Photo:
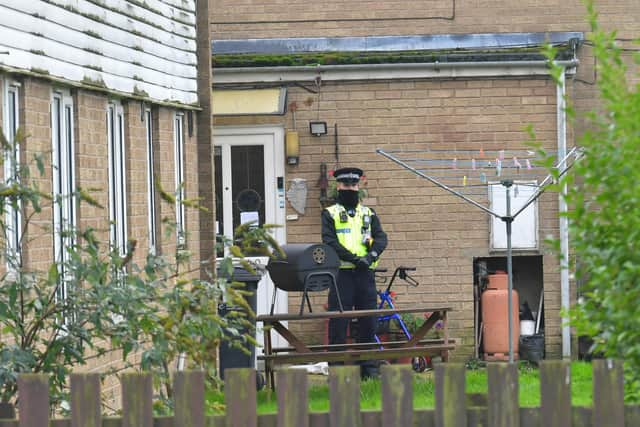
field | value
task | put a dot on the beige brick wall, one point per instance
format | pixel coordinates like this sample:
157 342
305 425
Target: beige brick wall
427 227
304 18
91 156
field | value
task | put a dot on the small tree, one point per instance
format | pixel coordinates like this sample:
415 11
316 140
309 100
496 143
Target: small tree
52 320
604 200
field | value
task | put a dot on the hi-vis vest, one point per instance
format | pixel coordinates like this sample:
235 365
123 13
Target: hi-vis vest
351 232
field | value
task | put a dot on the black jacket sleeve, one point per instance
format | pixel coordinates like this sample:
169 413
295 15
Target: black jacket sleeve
330 238
378 235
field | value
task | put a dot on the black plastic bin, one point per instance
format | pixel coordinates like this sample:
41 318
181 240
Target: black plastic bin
532 347
231 357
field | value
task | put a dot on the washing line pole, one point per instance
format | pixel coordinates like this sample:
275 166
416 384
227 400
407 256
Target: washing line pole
508 220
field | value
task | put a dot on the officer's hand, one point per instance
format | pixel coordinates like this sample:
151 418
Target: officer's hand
363 263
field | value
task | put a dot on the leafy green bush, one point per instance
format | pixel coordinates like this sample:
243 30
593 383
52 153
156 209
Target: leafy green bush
604 217
98 301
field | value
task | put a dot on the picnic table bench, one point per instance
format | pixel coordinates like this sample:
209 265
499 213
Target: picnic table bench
299 352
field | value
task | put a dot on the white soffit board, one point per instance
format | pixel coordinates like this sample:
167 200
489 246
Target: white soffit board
144 48
248 102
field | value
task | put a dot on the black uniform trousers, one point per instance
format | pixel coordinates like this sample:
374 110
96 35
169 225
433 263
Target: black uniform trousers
357 292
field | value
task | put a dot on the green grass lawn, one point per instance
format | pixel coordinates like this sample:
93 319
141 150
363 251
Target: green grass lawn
423 391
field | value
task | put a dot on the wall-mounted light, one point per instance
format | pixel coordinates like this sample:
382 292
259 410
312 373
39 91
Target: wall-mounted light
292 147
318 128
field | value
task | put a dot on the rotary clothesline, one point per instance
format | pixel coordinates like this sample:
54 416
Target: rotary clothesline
470 173
450 163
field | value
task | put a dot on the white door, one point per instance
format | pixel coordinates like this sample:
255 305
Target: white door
249 181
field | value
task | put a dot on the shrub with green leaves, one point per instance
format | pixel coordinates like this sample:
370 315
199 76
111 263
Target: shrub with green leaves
97 300
604 212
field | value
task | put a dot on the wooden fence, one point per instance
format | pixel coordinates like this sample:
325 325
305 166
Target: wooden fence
451 410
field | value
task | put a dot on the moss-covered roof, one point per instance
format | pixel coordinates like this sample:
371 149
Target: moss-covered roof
396 57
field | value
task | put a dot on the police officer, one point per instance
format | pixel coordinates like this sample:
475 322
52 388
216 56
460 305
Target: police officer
354 231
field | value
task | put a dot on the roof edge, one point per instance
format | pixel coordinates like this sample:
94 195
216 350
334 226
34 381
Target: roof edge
392 43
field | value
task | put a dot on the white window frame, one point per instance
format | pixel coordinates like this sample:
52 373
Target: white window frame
117 178
63 183
151 185
178 143
13 216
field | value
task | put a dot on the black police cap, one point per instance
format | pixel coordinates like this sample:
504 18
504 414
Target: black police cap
348 175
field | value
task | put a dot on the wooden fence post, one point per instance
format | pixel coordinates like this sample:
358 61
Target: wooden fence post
608 393
188 389
504 403
451 404
240 397
397 396
555 393
86 408
137 400
344 396
33 390
293 404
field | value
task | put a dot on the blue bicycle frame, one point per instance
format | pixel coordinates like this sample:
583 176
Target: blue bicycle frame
385 298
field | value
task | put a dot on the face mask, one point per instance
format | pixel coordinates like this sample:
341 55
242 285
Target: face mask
348 198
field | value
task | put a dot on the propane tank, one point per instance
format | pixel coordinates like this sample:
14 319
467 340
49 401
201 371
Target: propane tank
495 301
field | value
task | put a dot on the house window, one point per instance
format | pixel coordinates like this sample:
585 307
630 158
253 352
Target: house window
117 179
63 177
151 188
13 216
178 139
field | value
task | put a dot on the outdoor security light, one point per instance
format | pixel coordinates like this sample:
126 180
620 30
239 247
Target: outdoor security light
318 128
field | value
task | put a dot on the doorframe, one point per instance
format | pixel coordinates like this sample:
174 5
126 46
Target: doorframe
273 161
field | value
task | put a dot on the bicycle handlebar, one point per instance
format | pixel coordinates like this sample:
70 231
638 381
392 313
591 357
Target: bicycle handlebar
402 273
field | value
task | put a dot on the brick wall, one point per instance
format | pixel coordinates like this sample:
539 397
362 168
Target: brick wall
304 18
91 156
427 227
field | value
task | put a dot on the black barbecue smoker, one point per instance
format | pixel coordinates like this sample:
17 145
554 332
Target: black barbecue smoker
305 267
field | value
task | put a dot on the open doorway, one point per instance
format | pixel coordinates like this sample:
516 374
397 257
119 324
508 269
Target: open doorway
527 281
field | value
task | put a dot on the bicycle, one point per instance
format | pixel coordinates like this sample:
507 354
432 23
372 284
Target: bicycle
419 363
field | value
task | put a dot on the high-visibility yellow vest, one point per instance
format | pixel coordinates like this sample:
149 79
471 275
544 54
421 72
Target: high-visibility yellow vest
351 230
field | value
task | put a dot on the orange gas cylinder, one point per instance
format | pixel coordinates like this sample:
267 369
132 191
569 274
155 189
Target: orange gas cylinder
495 332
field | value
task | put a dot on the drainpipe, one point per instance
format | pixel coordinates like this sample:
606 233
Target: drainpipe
561 118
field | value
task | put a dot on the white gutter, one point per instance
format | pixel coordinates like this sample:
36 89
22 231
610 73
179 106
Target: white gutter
250 75
564 221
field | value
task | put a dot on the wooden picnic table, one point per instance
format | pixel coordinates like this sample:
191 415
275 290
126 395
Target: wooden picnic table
299 352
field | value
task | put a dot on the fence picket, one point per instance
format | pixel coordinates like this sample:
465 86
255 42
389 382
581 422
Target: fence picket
344 396
137 395
371 418
608 393
581 416
85 400
503 388
424 417
397 396
451 405
240 397
530 417
632 415
33 406
292 398
555 393
189 399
